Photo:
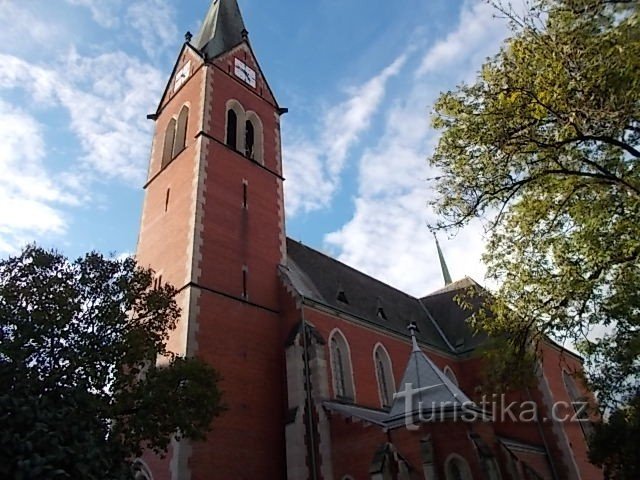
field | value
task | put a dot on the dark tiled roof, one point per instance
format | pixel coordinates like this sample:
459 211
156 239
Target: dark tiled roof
221 30
452 318
322 278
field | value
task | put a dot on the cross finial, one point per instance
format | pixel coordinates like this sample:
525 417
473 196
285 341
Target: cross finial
188 36
413 330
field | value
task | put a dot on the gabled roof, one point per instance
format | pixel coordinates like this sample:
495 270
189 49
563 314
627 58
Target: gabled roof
223 28
453 318
329 282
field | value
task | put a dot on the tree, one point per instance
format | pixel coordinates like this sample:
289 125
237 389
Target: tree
545 146
614 445
86 379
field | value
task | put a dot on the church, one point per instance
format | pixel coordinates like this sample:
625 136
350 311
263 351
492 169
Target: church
327 373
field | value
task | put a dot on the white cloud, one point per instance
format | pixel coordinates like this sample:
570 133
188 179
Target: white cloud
477 27
104 96
104 13
313 165
154 20
387 236
21 27
30 196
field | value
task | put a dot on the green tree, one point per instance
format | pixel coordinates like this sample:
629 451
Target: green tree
614 444
86 380
545 144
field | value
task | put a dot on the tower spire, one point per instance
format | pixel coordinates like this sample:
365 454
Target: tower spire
443 263
222 29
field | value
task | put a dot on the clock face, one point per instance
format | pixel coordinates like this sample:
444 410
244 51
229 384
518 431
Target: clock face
182 76
245 73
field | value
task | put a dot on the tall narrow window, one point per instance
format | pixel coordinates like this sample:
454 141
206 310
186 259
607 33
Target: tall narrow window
169 138
245 292
384 375
254 137
341 368
457 468
166 200
579 403
338 368
181 131
232 129
249 141
245 195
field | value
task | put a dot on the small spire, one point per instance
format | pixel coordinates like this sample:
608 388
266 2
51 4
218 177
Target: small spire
188 36
443 263
413 330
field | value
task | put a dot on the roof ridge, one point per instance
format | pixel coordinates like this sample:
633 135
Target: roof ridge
354 269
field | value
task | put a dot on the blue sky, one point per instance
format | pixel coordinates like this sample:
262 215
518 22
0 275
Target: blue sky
79 76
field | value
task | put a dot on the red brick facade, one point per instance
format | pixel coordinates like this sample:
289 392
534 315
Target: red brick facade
213 226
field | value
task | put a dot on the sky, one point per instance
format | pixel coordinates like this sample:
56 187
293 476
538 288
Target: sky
78 77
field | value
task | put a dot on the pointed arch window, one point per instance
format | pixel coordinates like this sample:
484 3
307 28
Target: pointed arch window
579 403
232 129
249 140
253 137
341 370
456 468
450 375
181 132
141 471
384 375
169 139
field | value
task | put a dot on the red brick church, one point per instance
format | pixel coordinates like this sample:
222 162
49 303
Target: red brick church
327 372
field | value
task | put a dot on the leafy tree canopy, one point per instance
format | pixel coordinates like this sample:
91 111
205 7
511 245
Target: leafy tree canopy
545 144
614 445
81 392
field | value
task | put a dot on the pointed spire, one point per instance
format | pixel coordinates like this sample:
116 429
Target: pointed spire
443 263
222 28
424 389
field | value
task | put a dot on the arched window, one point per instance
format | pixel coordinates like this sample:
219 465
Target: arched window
384 375
491 467
249 140
456 468
232 129
181 132
141 471
579 403
169 139
341 371
253 137
450 375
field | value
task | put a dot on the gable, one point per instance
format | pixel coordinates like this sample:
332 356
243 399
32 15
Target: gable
244 53
189 61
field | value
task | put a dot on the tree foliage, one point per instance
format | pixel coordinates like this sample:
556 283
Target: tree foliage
86 379
614 445
545 144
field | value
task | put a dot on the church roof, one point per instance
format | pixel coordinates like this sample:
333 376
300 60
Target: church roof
223 28
428 389
329 282
452 317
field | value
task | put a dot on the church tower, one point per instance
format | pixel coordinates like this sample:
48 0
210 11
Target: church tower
213 226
